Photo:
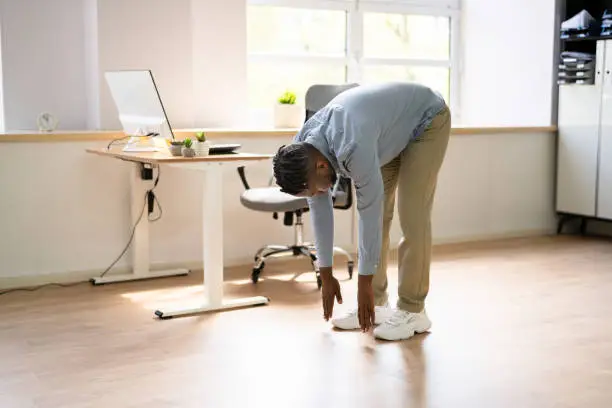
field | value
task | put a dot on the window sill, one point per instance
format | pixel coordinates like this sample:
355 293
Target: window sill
229 134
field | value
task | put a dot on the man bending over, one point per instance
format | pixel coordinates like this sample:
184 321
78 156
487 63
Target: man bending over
386 138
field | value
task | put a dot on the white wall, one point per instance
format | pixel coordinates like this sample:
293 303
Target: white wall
147 34
199 59
43 62
195 48
84 222
92 63
2 129
495 186
76 217
507 73
219 63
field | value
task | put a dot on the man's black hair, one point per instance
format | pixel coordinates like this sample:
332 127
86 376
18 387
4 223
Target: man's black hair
291 168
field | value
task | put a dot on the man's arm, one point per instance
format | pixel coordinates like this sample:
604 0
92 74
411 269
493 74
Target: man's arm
365 172
321 210
322 217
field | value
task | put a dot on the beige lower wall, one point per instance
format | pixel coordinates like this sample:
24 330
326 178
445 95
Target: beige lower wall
66 213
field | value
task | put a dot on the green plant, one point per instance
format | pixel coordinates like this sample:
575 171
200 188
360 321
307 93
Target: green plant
287 98
177 142
188 143
201 136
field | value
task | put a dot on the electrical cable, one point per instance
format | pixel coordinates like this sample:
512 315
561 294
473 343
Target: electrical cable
159 207
32 289
130 240
150 134
35 288
155 197
136 224
116 140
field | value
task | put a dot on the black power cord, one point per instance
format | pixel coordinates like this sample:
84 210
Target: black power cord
146 201
130 240
35 288
147 197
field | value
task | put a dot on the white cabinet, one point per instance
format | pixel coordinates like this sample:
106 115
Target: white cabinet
584 149
578 123
604 185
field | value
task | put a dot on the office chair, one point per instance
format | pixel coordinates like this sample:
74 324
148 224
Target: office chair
271 199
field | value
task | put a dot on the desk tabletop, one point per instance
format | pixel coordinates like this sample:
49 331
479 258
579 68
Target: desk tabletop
165 157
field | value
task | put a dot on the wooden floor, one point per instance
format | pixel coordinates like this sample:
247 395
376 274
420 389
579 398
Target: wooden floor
517 324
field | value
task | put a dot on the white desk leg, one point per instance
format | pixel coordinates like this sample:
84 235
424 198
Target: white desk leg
212 219
140 245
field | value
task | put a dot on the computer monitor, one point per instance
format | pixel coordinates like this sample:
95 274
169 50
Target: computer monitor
140 108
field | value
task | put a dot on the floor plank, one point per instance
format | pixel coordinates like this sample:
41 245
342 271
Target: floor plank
516 323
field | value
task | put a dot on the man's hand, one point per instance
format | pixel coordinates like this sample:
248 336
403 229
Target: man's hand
330 291
365 300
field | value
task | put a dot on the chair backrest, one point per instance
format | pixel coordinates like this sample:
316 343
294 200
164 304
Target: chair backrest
317 96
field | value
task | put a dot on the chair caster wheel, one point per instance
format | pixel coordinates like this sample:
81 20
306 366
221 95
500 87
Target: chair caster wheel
350 270
256 272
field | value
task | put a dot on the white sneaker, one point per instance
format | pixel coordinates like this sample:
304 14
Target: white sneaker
403 325
350 320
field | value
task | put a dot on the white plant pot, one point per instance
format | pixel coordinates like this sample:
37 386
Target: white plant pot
288 116
201 148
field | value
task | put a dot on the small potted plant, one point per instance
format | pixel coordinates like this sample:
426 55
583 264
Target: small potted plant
176 147
187 148
201 146
287 114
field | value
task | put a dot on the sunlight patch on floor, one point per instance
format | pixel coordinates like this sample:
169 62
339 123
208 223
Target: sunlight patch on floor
305 277
189 296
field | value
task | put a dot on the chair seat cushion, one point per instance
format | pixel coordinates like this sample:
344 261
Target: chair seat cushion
271 199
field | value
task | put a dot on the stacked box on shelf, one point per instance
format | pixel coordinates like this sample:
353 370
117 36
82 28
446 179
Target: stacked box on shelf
581 25
576 68
606 23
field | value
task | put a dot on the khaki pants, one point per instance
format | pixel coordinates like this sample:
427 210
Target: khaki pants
413 174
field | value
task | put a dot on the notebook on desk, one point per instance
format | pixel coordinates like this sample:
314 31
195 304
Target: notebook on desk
225 148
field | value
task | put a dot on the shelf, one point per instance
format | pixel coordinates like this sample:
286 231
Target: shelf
591 38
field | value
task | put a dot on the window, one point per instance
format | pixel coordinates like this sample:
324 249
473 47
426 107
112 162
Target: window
290 48
404 47
292 44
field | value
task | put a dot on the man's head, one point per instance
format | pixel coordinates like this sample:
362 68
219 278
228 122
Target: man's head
301 170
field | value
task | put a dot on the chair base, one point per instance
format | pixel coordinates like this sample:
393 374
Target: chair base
305 250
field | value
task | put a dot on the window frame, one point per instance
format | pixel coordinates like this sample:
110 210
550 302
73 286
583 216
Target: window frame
353 60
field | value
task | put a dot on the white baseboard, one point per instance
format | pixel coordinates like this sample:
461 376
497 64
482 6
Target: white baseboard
80 276
238 269
536 232
476 239
236 264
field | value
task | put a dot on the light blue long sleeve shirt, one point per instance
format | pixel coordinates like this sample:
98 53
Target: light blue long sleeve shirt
359 131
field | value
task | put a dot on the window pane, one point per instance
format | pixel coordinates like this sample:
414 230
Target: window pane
406 36
296 31
435 77
268 80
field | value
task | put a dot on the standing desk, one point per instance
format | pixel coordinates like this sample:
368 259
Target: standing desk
212 217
